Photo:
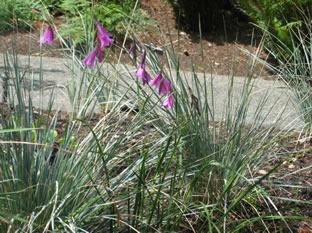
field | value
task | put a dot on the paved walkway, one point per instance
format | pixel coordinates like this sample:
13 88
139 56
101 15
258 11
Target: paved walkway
57 76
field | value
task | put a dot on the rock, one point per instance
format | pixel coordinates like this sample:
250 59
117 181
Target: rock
262 172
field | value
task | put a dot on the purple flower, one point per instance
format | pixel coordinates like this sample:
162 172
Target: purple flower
168 102
142 73
164 87
90 59
103 36
103 40
156 81
48 36
100 54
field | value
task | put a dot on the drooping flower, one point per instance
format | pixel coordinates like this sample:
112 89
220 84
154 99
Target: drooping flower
103 40
156 81
141 71
103 36
168 101
165 87
48 36
89 60
143 74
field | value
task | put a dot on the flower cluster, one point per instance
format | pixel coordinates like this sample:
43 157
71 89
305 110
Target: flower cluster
103 39
162 85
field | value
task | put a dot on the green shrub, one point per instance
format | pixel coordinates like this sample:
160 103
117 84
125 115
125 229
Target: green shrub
278 17
15 13
80 14
50 3
295 66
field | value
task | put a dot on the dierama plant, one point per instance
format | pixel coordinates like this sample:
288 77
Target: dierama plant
162 85
103 40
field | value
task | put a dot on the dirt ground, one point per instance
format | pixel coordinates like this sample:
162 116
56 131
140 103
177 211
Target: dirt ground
218 52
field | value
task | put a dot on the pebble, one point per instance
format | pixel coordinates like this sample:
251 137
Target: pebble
262 172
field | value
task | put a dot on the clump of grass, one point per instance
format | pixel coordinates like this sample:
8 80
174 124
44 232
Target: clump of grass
294 64
142 167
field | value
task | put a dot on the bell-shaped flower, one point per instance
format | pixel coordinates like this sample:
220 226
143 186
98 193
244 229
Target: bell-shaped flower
165 87
90 59
156 81
48 36
168 101
141 72
103 36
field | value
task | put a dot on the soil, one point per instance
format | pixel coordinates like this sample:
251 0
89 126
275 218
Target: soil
220 51
290 186
223 51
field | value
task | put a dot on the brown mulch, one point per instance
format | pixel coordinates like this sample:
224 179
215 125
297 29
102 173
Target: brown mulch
218 52
290 185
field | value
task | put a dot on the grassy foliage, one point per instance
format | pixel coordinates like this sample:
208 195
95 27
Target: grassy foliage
295 64
15 13
288 34
111 13
279 18
138 167
153 170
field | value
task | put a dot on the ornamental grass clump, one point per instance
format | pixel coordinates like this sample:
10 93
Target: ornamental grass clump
137 166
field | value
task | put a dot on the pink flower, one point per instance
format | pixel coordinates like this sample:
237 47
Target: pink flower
103 36
90 59
168 102
48 36
103 40
164 87
141 72
156 81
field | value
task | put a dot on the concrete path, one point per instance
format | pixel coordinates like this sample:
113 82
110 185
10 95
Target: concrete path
60 76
